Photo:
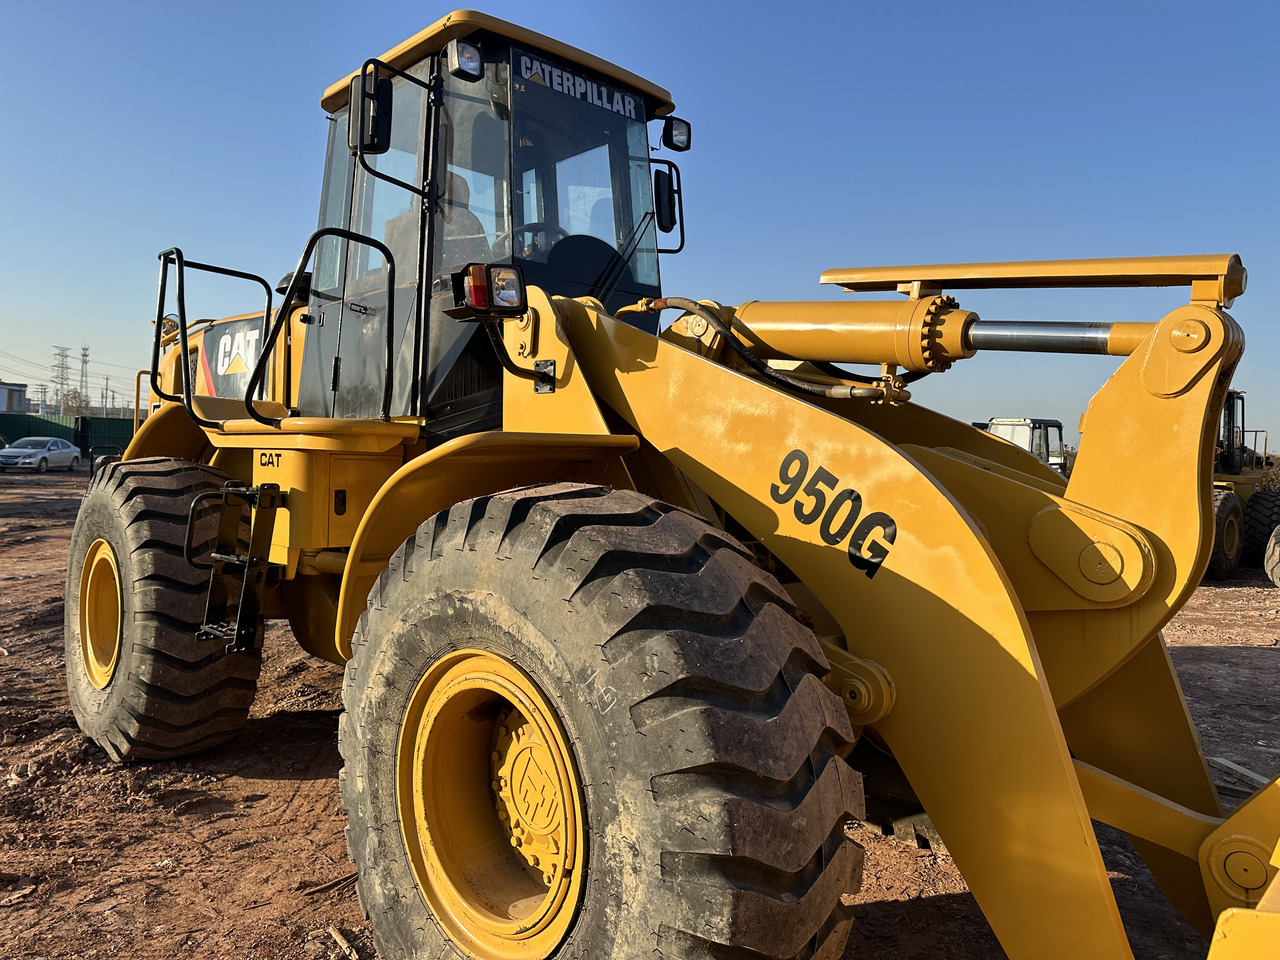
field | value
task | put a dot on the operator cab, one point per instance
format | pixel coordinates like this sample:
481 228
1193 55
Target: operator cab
501 147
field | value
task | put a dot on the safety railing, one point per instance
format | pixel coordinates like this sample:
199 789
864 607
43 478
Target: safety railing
291 293
173 256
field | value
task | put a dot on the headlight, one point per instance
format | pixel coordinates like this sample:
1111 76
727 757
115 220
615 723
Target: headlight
487 291
677 134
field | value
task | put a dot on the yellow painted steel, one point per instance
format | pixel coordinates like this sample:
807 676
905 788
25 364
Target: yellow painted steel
101 613
1244 934
1024 598
919 334
491 808
1217 279
466 467
973 723
460 23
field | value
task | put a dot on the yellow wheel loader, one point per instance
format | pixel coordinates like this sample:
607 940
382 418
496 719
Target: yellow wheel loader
615 598
1245 515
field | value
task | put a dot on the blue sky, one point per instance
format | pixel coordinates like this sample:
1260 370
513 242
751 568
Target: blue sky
825 135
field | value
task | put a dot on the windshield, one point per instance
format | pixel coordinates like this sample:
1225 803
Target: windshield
31 443
581 180
1055 443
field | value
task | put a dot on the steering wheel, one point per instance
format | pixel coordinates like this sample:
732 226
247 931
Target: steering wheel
551 234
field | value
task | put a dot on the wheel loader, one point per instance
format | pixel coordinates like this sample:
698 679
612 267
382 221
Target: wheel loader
1245 515
620 596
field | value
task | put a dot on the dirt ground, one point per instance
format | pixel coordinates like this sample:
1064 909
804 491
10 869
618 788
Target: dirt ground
239 853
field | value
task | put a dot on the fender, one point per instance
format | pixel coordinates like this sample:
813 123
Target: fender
458 470
169 432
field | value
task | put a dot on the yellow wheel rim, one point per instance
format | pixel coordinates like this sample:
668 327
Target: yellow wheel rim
101 613
491 808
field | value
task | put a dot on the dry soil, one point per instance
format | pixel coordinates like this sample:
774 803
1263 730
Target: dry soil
239 853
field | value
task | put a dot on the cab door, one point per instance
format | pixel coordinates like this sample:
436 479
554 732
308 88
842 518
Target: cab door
344 365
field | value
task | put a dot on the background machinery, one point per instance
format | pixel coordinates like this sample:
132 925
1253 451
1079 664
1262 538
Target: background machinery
614 606
1043 438
1245 515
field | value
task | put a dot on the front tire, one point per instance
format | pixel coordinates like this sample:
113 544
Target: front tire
1228 535
572 682
42 466
141 685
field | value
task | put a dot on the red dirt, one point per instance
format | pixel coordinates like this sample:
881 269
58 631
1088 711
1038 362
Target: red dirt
239 852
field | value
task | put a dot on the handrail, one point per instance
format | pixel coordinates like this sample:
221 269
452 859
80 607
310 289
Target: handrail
137 397
174 255
292 291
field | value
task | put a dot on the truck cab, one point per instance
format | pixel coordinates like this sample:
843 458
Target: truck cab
473 142
1042 437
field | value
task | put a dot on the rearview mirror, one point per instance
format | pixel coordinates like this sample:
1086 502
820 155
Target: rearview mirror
372 110
664 200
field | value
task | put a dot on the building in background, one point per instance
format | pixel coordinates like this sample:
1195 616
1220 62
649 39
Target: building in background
13 397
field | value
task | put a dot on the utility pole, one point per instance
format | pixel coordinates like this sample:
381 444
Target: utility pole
61 374
44 390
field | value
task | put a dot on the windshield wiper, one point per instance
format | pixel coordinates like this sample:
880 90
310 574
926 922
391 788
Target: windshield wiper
613 271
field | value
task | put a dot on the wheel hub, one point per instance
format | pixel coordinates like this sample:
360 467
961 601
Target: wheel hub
1231 536
528 798
101 613
491 808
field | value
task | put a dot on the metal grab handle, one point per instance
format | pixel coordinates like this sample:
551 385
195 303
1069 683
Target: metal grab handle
256 377
174 255
188 548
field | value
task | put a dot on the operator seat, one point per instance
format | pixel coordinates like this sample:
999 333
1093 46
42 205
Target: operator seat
462 236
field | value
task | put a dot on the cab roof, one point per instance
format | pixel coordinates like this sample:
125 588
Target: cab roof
461 23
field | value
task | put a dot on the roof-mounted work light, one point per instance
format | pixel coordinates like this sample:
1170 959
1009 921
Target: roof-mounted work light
677 134
463 60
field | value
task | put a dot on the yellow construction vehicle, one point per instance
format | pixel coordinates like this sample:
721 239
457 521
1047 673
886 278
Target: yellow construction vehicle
1244 514
615 604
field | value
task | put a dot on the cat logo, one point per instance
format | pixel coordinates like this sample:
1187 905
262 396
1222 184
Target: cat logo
237 354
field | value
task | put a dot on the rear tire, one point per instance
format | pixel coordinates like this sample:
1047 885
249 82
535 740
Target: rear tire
1228 535
706 749
157 692
74 465
1261 517
1271 557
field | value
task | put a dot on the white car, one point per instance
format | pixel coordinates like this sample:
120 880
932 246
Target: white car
40 454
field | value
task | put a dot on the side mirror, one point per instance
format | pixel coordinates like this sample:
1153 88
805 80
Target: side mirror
664 200
370 109
303 293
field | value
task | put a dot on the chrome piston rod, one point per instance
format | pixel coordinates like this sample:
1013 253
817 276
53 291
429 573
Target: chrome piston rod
1049 337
